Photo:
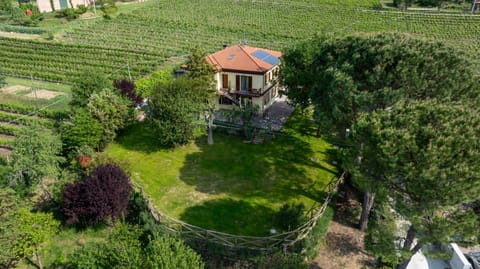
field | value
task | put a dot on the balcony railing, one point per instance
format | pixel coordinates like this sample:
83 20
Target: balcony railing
251 92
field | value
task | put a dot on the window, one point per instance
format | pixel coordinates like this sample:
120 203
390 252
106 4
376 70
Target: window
244 83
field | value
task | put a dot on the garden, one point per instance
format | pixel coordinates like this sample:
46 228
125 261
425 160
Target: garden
232 186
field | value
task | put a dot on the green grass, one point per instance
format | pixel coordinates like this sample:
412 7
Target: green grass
231 186
55 252
39 84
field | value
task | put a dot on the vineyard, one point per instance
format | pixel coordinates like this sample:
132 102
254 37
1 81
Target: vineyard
162 32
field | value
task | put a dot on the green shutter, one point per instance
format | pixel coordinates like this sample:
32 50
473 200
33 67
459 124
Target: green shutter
63 4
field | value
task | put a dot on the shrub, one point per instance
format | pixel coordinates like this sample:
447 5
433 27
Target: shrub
174 110
310 245
290 216
88 83
104 193
124 248
282 261
81 9
112 112
127 90
81 130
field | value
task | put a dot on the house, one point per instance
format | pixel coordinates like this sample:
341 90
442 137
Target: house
457 261
246 76
51 5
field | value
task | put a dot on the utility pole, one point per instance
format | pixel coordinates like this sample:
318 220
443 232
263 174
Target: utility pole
35 92
129 74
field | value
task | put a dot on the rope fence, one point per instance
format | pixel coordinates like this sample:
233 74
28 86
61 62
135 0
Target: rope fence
267 243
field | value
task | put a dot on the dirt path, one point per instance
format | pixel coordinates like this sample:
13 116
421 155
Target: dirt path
5 153
19 35
344 243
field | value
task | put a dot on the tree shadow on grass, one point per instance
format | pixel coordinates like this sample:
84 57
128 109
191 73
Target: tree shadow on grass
231 216
276 171
139 136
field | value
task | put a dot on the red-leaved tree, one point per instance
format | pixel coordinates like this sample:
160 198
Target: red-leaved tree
127 90
104 193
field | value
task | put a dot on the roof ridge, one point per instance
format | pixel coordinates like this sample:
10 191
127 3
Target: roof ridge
249 56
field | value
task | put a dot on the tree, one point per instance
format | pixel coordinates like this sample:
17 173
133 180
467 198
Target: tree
80 130
361 74
127 90
34 157
198 68
25 232
380 236
429 154
144 86
175 109
112 112
104 193
86 84
295 71
10 202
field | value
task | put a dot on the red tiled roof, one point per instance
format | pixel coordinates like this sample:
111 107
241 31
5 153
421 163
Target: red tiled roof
239 58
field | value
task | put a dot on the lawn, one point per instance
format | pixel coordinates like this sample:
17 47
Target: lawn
231 186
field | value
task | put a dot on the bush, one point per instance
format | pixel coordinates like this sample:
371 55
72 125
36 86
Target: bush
174 110
81 9
144 86
125 248
112 112
282 261
104 193
290 216
71 13
88 83
81 130
310 245
127 90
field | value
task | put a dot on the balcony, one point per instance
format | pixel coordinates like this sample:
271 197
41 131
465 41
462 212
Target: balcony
251 92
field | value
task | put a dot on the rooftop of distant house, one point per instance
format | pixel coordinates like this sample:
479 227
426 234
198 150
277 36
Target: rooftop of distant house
243 58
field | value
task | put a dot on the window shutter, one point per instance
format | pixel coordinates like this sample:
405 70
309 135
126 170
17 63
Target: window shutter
237 83
224 81
250 82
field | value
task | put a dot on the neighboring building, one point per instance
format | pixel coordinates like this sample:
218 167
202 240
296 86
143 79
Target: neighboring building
46 5
458 261
475 5
246 76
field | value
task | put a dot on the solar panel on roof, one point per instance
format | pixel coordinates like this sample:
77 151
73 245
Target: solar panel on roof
266 57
